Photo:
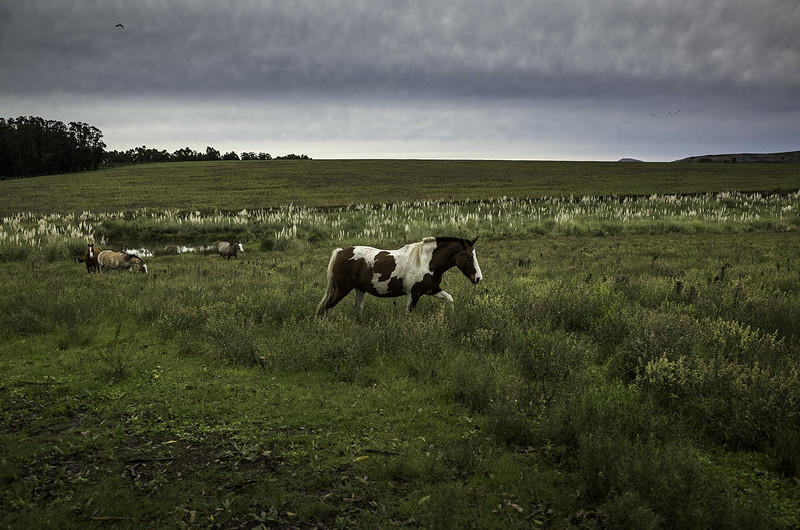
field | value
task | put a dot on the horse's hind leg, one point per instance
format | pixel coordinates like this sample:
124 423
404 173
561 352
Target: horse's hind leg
359 303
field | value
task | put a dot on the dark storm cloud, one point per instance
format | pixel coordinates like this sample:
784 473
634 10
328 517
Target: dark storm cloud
417 48
561 64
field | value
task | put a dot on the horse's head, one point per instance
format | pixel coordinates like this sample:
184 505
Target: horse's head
238 246
136 260
90 250
467 261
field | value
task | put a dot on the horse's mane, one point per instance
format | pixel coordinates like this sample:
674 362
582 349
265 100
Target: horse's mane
416 250
445 239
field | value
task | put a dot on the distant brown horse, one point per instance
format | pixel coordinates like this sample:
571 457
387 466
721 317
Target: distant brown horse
90 258
109 259
413 270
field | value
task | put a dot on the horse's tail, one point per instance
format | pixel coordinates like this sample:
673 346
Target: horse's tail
322 308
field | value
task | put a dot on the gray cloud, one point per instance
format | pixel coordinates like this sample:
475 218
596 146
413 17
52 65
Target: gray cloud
618 60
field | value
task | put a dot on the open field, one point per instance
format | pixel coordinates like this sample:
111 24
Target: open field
627 362
265 184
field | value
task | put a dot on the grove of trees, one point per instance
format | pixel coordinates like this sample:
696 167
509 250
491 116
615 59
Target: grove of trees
30 146
148 154
143 154
35 146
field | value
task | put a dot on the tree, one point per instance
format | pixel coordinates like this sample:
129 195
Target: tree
185 154
212 154
89 147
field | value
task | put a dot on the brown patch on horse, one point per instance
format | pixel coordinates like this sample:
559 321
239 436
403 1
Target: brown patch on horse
384 266
345 254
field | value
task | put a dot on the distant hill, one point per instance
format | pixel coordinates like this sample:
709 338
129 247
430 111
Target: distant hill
787 157
628 160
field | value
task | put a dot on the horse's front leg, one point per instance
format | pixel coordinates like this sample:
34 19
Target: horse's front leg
444 295
411 301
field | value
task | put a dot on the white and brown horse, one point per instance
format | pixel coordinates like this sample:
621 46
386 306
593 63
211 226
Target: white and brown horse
414 270
109 259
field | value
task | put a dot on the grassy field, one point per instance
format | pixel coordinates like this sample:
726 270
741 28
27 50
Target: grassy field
324 183
627 362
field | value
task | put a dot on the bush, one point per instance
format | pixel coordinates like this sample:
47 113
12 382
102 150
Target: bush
231 339
473 380
549 358
645 485
736 404
741 344
653 335
614 409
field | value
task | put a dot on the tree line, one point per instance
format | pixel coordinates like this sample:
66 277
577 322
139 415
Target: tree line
30 146
143 154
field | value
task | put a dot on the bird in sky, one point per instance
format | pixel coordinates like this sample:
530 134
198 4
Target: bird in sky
120 26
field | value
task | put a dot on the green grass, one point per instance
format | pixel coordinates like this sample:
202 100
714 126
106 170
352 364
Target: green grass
623 365
234 185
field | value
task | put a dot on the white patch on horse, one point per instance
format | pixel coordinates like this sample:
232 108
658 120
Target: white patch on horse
444 295
478 274
411 263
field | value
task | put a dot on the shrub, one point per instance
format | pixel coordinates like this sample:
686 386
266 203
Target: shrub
231 338
512 412
548 358
614 409
646 485
473 380
737 404
740 343
653 335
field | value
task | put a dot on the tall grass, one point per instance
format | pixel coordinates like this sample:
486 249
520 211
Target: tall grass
56 236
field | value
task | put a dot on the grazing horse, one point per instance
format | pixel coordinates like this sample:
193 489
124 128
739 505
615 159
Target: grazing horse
413 270
227 249
109 259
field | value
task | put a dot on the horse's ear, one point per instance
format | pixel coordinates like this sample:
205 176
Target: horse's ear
472 243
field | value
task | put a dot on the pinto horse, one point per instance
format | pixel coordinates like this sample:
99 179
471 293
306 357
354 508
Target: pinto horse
412 270
109 259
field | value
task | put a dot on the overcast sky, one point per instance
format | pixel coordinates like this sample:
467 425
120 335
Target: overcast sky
536 79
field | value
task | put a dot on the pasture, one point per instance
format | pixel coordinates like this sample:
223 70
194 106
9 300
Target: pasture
631 358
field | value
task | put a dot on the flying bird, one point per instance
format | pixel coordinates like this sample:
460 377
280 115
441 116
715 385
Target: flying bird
120 26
